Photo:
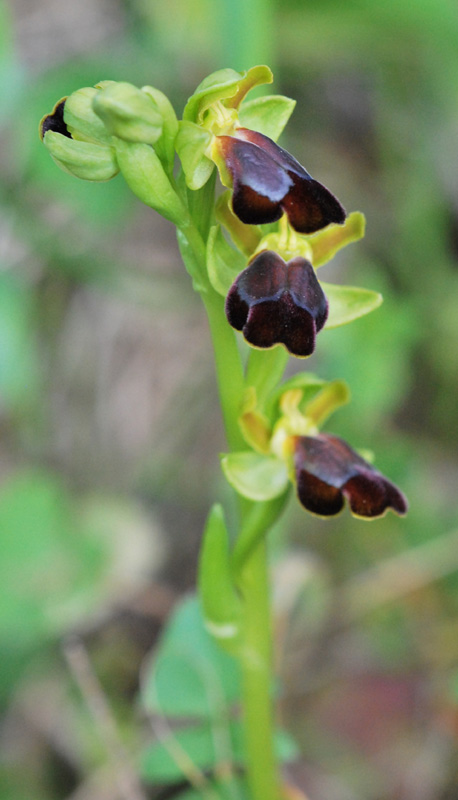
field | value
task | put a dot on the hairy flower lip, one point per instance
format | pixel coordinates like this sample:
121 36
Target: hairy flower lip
55 121
268 181
277 302
329 471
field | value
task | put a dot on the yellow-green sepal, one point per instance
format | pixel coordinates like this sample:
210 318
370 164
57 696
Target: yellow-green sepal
192 143
347 303
223 262
226 85
86 160
220 603
268 115
255 476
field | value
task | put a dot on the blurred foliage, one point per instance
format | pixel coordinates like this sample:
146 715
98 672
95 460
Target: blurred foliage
107 403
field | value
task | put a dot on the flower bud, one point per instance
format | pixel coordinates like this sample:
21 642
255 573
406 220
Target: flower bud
145 175
91 162
81 120
128 113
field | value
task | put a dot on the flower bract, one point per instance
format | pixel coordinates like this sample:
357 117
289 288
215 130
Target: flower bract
267 181
328 472
277 302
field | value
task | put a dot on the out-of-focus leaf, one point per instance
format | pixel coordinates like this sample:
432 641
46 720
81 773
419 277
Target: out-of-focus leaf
189 658
206 747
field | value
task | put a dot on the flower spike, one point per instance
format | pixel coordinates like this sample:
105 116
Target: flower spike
328 471
277 302
267 181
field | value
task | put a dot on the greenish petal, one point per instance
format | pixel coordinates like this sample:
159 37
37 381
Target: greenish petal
255 476
268 115
222 85
331 397
347 303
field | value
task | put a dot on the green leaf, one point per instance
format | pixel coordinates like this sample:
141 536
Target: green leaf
223 262
85 160
227 788
189 658
219 599
161 763
191 144
325 244
268 115
207 747
222 85
347 303
255 476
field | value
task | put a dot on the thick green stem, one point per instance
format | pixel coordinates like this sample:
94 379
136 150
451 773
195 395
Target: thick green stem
256 665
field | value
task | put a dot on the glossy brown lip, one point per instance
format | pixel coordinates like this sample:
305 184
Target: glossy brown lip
268 181
329 471
277 302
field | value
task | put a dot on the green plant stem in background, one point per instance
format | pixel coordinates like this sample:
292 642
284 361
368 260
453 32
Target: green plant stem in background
247 30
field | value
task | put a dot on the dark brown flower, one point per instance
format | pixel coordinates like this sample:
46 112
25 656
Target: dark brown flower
277 302
328 470
267 181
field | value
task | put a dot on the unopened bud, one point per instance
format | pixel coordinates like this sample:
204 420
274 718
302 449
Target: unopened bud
128 112
91 162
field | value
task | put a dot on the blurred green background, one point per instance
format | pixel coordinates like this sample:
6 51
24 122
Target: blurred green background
109 422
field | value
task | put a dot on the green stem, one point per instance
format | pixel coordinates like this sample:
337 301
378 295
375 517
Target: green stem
229 371
255 653
256 664
260 518
256 649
